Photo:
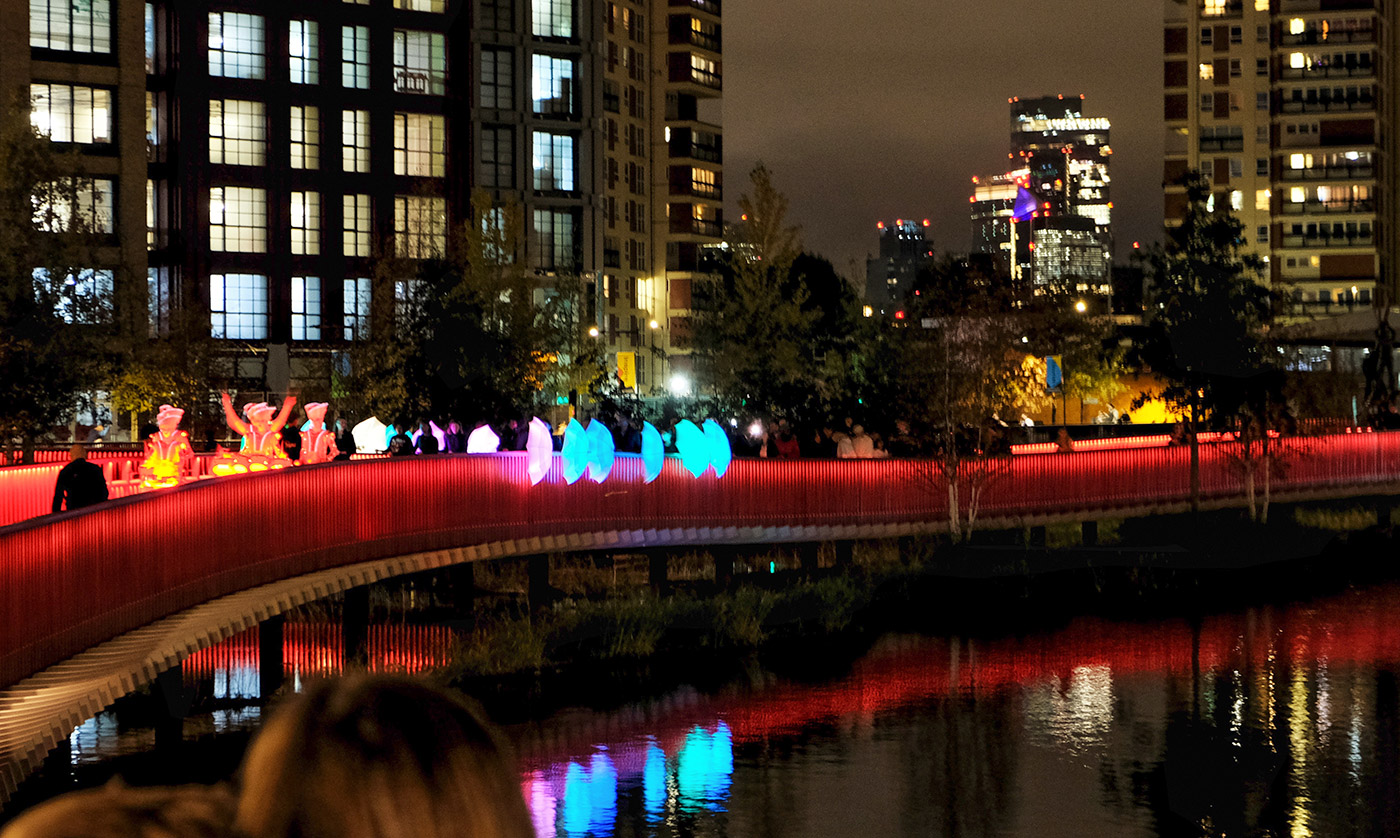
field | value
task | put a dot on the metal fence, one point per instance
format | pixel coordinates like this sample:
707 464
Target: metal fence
72 580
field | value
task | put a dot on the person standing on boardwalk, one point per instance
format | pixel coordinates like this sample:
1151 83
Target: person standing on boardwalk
80 483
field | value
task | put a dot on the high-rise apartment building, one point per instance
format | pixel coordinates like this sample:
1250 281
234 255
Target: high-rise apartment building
1283 105
281 153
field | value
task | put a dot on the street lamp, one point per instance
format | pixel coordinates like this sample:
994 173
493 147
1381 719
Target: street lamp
680 385
1081 307
593 331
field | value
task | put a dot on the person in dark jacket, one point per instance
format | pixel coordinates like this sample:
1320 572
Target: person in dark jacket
80 483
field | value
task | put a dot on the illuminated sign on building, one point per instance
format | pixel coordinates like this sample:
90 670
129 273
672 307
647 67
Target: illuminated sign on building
1078 123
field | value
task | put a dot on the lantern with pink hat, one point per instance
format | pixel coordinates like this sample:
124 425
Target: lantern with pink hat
317 441
167 451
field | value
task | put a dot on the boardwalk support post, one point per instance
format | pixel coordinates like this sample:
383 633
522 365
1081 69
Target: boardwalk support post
270 656
355 625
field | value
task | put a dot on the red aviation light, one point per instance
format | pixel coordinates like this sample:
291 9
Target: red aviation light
899 315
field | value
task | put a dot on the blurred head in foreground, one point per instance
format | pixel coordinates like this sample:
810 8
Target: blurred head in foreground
379 757
116 811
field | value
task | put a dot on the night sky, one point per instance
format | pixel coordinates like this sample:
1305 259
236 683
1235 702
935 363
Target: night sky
881 109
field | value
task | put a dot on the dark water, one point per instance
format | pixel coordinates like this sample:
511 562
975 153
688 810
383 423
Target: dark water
1275 721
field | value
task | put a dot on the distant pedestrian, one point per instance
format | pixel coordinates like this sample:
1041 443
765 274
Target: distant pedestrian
456 440
80 483
1063 443
845 450
344 440
785 442
862 446
401 445
427 441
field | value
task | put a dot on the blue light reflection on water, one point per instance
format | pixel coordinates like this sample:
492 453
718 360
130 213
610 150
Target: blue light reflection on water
572 800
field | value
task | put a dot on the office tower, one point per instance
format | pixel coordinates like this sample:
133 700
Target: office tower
1281 105
1048 222
905 249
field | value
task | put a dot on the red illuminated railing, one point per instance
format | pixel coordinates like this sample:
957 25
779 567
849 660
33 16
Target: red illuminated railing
70 581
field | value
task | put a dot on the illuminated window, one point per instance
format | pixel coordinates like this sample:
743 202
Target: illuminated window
306 137
1212 8
84 298
150 37
355 224
1297 60
354 141
1297 195
420 145
237 133
498 156
1236 200
306 223
236 46
238 219
420 62
552 85
1299 161
554 162
355 308
497 78
68 114
1261 5
420 227
422 5
704 70
238 306
1261 199
85 204
1207 71
306 308
150 214
1296 26
553 19
354 57
71 26
304 52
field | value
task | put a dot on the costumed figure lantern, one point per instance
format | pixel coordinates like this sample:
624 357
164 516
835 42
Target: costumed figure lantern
167 451
317 441
262 438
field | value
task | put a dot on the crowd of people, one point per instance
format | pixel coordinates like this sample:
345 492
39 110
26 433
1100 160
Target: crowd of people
359 757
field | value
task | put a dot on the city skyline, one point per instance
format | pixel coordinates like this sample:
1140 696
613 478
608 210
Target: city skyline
787 107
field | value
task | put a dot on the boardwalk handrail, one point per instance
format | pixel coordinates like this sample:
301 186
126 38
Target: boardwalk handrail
73 580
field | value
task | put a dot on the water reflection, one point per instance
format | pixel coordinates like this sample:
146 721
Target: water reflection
1278 721
229 670
1271 721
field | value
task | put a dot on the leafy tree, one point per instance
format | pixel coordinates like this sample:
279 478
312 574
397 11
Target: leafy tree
55 309
753 322
1207 313
475 335
957 365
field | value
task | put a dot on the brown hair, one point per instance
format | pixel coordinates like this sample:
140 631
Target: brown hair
117 811
380 757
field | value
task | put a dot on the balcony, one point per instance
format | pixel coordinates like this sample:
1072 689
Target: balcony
1320 105
1354 71
706 6
1358 238
1353 172
1362 206
685 225
1222 143
1212 9
1313 37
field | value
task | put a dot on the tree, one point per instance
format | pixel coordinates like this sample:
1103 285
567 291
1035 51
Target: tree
1207 312
475 335
957 365
55 305
753 327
